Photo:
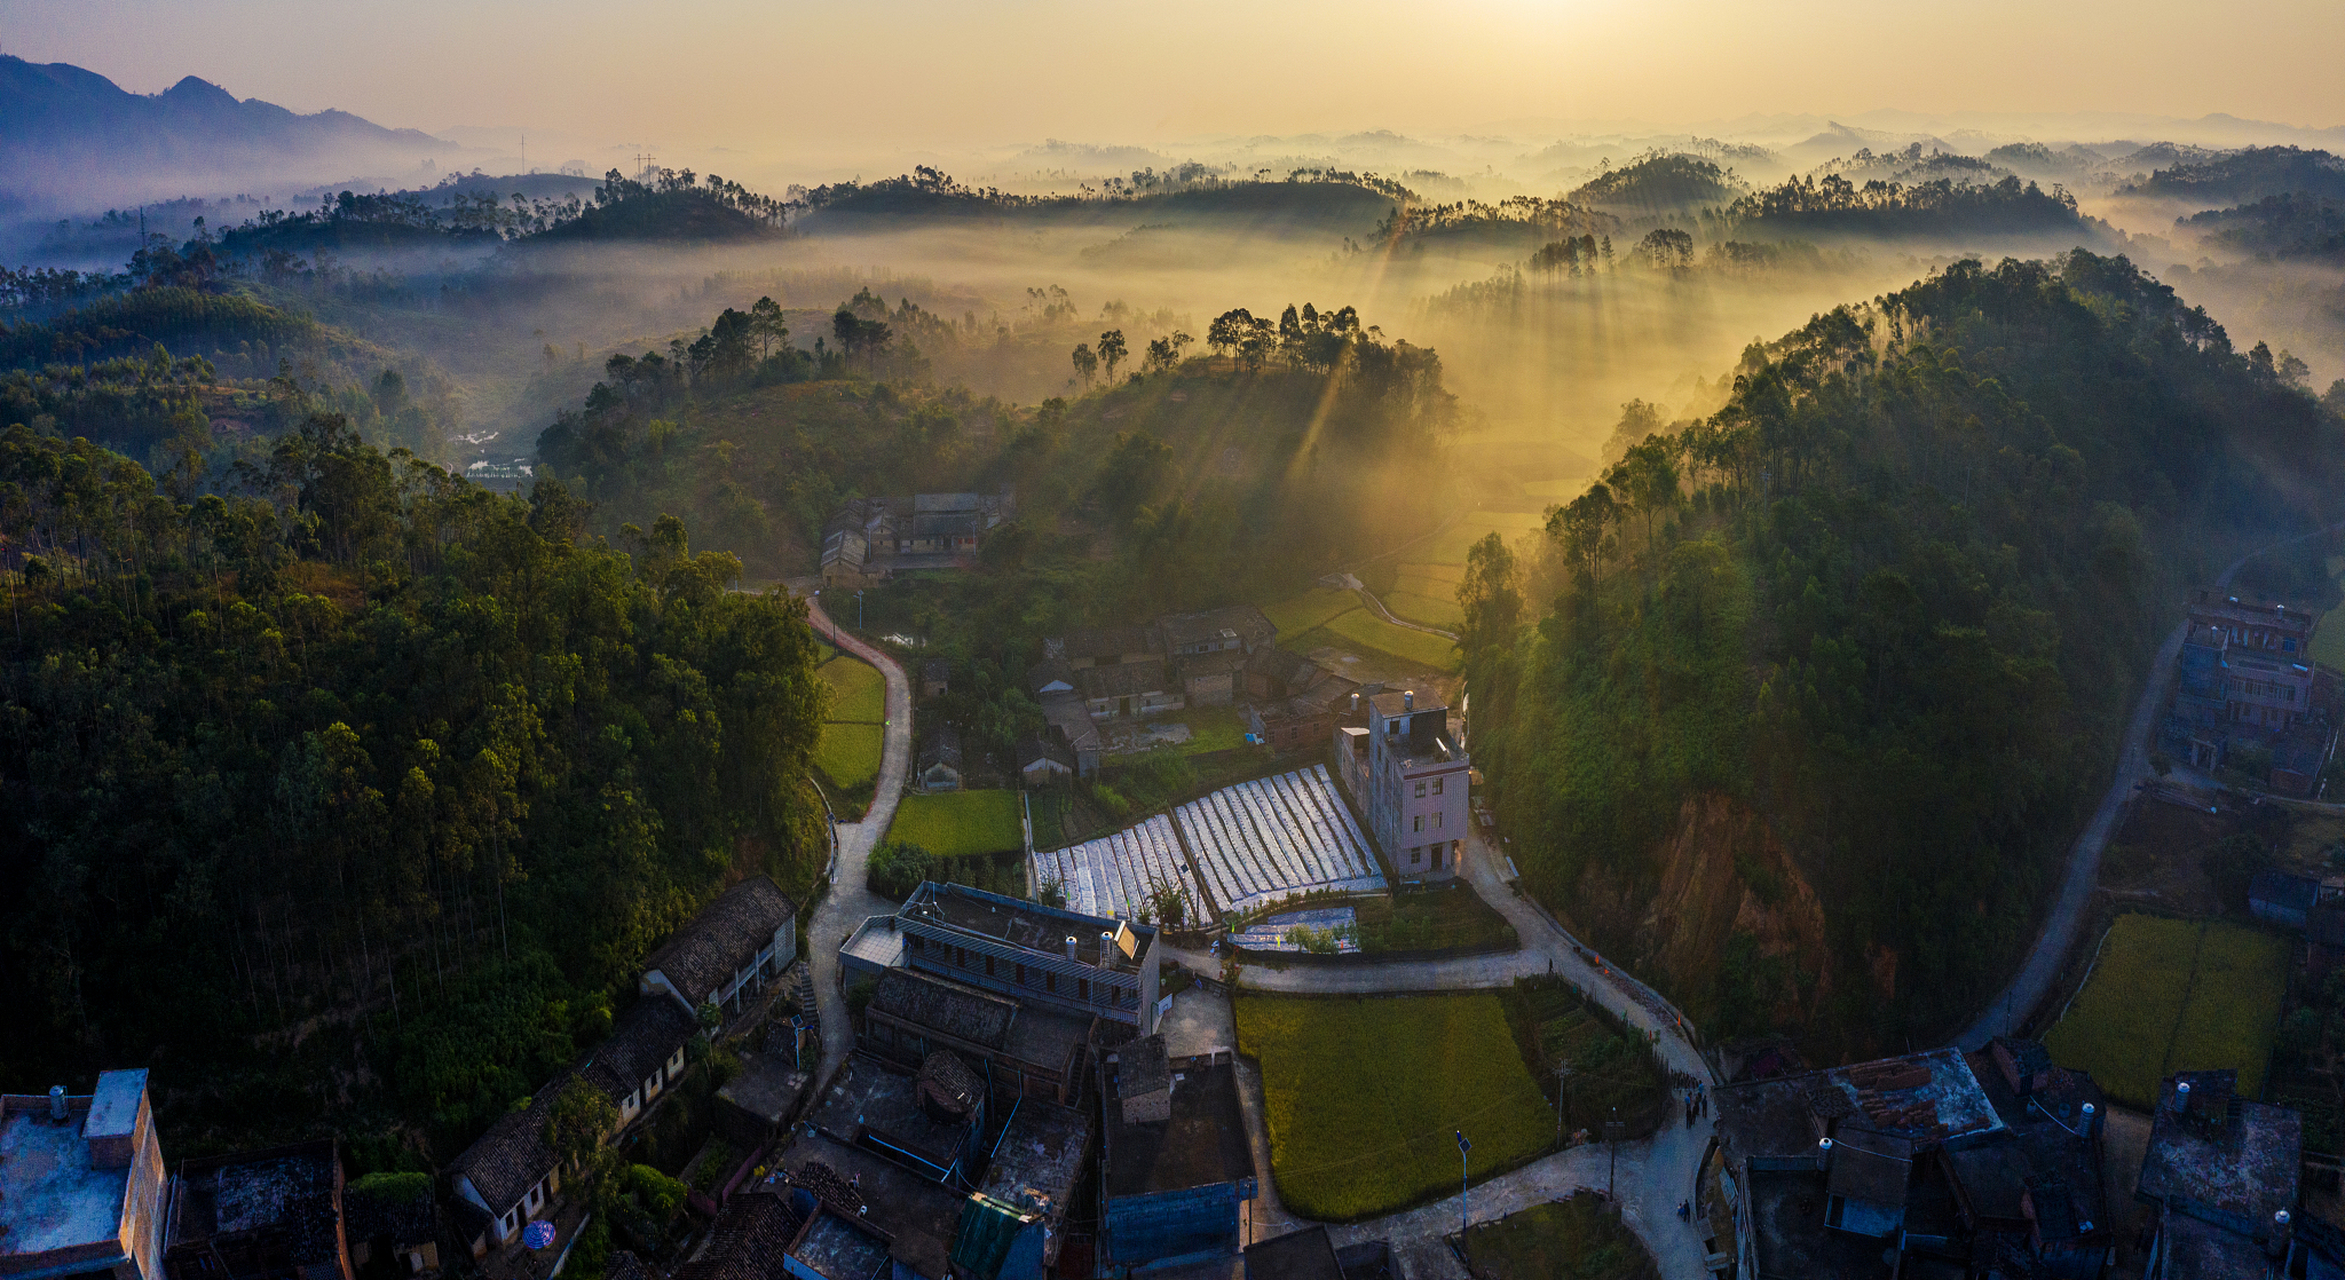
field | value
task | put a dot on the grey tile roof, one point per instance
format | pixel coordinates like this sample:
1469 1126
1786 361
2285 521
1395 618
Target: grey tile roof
507 1161
1121 680
1033 751
643 1038
941 747
1183 629
1109 643
1142 1067
748 1242
726 935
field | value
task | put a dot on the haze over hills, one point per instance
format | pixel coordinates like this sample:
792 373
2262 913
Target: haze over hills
77 139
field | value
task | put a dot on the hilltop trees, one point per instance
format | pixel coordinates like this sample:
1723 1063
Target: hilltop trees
1111 352
1897 620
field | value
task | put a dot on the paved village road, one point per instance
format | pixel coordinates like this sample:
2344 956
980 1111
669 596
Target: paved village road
2043 965
850 898
1654 1174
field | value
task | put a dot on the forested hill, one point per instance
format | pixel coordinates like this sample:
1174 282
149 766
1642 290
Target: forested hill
363 792
1860 644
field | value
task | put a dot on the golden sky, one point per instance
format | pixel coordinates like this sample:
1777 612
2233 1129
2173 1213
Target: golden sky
785 77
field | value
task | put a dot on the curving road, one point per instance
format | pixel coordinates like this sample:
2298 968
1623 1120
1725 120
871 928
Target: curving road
850 898
2044 962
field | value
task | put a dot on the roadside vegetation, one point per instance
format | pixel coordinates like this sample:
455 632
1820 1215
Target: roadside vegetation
1579 1238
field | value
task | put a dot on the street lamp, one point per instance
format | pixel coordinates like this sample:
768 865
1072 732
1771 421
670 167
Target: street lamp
1463 1147
1611 1176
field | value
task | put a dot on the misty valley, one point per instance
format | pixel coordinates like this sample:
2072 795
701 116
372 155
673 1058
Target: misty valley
1088 710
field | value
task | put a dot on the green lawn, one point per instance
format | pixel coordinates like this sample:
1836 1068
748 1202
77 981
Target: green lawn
1311 609
1450 547
1363 1096
1211 729
1366 630
2175 995
955 824
848 754
1433 611
1432 579
1575 1239
859 693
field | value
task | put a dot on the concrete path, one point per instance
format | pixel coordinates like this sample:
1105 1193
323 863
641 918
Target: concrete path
2044 962
1395 619
850 899
1654 1174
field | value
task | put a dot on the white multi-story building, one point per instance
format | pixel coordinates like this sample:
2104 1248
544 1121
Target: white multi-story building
1403 766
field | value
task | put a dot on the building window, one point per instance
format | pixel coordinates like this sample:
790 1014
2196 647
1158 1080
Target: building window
1420 789
1416 855
916 942
1437 817
1417 823
1021 975
1437 786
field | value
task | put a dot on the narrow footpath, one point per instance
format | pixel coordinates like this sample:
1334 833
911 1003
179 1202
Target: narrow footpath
850 899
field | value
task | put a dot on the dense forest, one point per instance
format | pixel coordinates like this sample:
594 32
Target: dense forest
1893 600
2246 175
356 792
1184 481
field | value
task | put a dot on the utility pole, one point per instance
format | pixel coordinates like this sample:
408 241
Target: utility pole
859 611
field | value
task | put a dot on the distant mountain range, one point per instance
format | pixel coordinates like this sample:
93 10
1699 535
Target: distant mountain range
75 139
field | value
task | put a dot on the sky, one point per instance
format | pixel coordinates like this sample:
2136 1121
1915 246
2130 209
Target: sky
782 77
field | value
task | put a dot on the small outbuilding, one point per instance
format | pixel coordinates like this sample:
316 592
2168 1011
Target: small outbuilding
2282 897
1044 758
939 767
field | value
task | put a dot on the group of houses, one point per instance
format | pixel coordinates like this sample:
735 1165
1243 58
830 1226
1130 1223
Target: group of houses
84 1189
1089 679
1949 1165
85 1192
869 540
1047 1020
2248 684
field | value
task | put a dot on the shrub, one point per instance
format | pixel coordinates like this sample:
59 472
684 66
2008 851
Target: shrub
898 867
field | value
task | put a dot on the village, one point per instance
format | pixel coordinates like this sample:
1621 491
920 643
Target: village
1157 1053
